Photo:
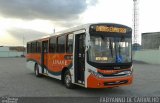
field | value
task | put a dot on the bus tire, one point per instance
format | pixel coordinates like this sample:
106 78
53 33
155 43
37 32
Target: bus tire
68 80
36 70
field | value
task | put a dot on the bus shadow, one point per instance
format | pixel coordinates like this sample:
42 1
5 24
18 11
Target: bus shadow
89 92
47 78
96 92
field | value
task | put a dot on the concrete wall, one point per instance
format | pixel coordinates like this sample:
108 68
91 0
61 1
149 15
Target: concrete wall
148 56
10 54
4 49
6 52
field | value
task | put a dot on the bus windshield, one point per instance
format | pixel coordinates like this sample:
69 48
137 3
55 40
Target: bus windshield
104 49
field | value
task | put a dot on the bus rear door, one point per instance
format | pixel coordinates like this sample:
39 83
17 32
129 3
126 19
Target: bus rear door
44 55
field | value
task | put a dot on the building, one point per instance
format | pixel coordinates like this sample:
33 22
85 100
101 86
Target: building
6 51
150 52
151 40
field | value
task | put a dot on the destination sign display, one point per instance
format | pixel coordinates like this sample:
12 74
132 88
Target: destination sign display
110 29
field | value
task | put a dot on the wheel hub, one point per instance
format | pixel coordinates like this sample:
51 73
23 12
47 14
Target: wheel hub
68 79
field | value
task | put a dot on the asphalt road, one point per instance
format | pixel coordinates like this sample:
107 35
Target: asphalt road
18 81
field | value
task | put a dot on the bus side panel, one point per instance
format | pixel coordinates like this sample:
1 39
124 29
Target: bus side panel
54 76
53 63
32 59
56 63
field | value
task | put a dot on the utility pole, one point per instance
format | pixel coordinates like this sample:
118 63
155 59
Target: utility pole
135 22
23 45
54 31
23 40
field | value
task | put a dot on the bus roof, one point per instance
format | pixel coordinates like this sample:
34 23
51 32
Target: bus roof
73 29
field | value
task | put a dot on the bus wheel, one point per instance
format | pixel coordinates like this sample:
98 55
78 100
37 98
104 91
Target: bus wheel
68 80
36 70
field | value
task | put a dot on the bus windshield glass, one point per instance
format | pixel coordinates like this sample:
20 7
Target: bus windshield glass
104 49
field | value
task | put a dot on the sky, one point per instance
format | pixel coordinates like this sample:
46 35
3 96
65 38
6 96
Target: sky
32 19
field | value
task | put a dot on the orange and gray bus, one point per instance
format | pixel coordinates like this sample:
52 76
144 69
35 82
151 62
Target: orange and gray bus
92 56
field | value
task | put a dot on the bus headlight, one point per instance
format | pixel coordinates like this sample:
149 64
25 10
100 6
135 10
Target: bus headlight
95 73
124 72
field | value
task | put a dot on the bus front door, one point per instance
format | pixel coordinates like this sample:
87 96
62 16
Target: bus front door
79 58
44 55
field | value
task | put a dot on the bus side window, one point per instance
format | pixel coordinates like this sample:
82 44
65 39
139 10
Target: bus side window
52 44
34 47
61 44
28 48
70 43
46 47
38 46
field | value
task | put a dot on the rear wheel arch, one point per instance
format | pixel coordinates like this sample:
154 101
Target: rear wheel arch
36 70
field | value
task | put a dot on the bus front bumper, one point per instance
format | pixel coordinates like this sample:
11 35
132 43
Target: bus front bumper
94 82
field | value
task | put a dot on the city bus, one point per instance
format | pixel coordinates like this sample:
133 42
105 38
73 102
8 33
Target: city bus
97 55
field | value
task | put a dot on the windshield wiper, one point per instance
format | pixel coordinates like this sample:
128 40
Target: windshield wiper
111 47
119 48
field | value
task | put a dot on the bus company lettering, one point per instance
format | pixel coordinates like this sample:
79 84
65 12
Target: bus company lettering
59 62
110 29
